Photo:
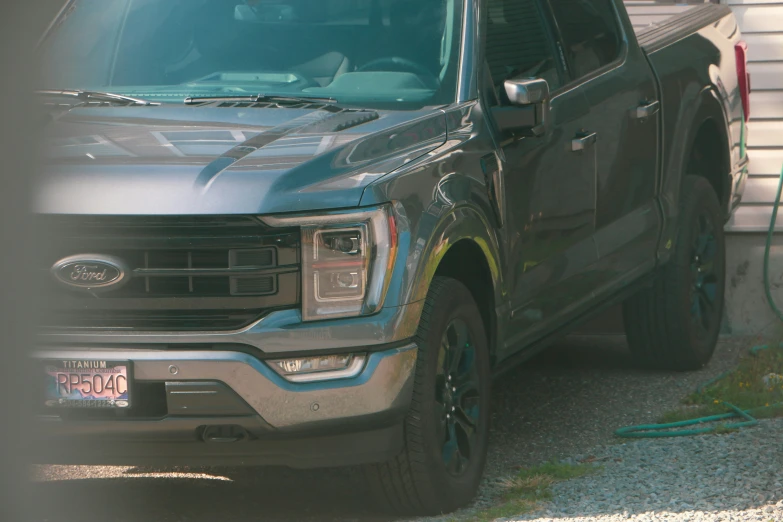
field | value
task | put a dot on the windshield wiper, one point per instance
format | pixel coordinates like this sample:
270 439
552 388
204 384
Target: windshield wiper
95 95
258 98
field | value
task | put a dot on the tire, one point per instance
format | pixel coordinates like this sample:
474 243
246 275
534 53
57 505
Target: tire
674 325
430 476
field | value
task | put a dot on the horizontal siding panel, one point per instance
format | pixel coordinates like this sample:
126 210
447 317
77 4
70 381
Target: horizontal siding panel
766 104
760 190
666 3
635 4
767 75
765 162
765 46
760 18
765 133
754 218
752 2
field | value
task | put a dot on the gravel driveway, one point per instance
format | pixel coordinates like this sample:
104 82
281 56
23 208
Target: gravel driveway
735 476
566 402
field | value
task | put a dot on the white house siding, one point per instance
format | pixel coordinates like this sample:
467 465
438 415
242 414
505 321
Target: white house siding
761 22
747 309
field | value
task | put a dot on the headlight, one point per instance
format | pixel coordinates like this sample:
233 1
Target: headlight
347 260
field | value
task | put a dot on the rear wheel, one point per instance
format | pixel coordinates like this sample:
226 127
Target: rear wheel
675 324
447 427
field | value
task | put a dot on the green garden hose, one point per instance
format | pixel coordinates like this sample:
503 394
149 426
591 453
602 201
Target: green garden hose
768 247
645 431
671 429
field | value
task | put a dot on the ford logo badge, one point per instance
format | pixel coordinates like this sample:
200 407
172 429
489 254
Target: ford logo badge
91 272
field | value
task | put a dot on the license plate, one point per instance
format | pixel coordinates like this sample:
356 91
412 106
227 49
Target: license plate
87 384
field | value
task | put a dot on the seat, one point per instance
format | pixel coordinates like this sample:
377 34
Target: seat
223 44
325 68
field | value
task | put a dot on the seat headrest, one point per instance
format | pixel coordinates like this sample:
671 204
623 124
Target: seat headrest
510 12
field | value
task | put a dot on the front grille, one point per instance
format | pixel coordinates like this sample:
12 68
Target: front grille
198 272
184 273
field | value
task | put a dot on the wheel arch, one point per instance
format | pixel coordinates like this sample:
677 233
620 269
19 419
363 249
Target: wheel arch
708 129
707 126
463 247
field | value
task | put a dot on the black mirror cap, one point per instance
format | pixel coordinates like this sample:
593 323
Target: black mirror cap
517 120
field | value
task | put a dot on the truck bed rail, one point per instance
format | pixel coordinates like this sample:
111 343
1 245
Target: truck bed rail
661 34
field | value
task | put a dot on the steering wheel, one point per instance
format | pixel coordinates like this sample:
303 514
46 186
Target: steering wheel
397 62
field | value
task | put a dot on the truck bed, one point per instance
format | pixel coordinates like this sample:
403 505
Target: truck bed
658 35
689 51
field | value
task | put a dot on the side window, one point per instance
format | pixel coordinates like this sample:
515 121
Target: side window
590 33
519 44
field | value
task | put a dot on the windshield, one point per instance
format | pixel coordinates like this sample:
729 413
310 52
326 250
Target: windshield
365 52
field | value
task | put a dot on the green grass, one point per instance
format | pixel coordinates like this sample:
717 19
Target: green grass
744 388
506 509
687 413
559 471
525 491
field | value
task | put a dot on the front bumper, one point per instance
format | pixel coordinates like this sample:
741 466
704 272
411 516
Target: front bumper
229 407
281 332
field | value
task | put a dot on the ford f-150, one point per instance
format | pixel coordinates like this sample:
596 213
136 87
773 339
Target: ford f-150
310 232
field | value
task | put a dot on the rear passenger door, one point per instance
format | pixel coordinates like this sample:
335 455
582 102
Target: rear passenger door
620 90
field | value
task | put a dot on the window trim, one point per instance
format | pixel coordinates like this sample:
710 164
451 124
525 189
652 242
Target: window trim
552 33
619 61
467 83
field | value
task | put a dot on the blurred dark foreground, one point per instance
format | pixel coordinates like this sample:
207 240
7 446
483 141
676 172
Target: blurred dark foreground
21 22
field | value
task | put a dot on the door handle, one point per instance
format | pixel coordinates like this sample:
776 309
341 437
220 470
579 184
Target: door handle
582 142
645 111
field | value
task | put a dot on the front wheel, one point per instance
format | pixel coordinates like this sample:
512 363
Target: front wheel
675 324
447 427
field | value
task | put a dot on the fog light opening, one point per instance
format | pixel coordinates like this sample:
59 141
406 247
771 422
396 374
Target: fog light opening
319 367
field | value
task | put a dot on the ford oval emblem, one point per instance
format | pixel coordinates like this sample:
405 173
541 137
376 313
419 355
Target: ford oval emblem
91 272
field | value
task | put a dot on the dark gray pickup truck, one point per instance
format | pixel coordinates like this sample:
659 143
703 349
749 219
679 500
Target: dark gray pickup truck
310 232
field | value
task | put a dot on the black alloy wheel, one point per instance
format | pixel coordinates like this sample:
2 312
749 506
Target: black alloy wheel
447 427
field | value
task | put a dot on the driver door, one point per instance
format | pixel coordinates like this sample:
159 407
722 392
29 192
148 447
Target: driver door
550 180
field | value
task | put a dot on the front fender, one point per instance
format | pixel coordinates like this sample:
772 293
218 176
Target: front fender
442 198
460 224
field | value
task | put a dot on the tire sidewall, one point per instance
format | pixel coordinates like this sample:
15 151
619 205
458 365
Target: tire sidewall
699 198
455 302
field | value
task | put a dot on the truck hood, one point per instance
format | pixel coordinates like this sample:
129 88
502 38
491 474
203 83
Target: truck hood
223 160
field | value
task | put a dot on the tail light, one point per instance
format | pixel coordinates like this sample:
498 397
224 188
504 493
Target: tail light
741 53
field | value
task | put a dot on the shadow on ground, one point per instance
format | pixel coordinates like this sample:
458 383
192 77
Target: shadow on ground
247 494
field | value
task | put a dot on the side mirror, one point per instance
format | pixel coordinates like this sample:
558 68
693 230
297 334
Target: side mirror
530 91
527 114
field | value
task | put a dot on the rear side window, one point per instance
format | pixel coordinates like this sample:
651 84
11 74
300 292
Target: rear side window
518 43
590 33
